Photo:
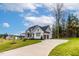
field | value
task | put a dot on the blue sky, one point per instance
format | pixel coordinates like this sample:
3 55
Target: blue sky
16 18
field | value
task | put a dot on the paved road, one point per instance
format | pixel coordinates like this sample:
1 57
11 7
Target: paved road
40 49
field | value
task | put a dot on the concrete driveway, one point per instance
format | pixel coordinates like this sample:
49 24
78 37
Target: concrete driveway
40 49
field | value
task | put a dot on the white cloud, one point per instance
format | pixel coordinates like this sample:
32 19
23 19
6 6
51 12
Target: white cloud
70 6
43 20
19 7
6 25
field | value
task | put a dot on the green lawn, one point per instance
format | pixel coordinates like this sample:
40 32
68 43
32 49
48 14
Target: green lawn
7 44
71 48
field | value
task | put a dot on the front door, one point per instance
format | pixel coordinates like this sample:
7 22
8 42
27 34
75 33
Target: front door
46 36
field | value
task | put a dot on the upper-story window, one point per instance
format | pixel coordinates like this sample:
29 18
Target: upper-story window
38 29
37 34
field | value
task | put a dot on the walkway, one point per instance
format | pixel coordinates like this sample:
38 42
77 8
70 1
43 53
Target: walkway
39 49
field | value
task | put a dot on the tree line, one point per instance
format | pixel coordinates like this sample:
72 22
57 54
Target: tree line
65 27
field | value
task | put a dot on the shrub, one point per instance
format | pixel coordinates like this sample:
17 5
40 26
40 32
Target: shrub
24 39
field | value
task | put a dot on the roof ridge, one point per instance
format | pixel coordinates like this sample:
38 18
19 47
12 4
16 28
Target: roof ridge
42 27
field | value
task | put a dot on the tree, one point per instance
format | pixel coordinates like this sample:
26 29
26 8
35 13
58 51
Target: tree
58 13
14 41
53 31
5 35
72 26
63 26
57 10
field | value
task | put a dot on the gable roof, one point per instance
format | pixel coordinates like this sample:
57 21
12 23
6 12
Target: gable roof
33 27
42 27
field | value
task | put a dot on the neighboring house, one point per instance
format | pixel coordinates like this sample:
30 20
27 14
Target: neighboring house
39 32
9 37
14 37
22 34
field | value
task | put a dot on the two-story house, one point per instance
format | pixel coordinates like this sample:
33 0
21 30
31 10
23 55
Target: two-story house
39 32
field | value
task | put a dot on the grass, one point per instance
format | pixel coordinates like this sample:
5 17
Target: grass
71 48
6 45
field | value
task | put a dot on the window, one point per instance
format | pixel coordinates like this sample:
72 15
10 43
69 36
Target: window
37 34
28 35
38 29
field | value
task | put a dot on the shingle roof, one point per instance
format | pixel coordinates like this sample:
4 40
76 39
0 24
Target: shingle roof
33 27
43 28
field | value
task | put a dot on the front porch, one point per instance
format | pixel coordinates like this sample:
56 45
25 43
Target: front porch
46 36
